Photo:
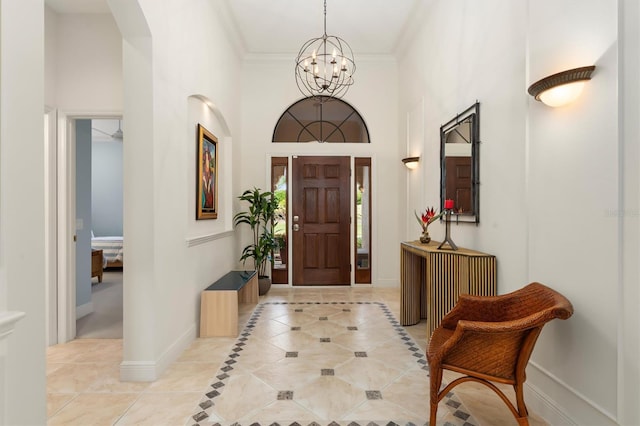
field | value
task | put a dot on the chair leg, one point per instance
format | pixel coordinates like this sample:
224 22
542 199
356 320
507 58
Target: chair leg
435 380
522 408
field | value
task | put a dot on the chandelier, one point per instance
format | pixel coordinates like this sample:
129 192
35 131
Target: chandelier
325 66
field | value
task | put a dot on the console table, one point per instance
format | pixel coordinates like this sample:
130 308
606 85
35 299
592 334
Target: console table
431 280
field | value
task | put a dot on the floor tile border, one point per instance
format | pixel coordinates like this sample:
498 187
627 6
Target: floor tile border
451 401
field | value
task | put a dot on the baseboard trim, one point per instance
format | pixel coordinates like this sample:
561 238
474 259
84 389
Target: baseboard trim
559 404
84 310
386 283
138 371
149 371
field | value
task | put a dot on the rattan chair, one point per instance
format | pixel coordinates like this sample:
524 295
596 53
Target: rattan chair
490 339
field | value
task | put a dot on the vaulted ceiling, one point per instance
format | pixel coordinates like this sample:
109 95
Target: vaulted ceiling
281 26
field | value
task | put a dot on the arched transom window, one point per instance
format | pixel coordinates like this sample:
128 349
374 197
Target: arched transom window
322 120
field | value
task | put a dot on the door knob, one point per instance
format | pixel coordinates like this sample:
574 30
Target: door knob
296 227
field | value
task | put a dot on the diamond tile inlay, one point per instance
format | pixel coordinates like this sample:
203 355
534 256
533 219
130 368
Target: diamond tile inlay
285 395
302 350
373 394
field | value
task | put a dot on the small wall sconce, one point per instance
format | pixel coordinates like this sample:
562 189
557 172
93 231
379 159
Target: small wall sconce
411 162
562 88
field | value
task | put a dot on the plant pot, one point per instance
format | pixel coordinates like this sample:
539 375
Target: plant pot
264 284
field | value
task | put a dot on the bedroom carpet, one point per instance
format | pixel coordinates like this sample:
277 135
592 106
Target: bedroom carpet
105 322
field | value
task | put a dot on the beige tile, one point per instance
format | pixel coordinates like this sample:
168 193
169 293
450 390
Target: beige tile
75 378
360 341
288 374
243 395
383 411
267 328
295 341
324 329
76 368
369 374
411 391
55 401
93 409
284 412
109 381
101 350
258 353
169 409
329 397
211 350
398 353
326 355
296 319
185 377
322 310
67 352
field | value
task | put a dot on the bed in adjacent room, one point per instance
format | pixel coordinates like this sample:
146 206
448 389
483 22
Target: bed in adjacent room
111 250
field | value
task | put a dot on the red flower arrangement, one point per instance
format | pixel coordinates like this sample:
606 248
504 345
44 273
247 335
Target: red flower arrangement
427 217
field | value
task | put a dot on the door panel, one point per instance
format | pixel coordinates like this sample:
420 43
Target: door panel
321 245
459 183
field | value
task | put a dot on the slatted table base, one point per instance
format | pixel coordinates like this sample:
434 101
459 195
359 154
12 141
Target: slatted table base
431 280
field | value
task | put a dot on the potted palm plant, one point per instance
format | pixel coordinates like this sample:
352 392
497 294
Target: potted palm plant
259 217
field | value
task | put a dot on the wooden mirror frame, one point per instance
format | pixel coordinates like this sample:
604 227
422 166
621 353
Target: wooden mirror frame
469 177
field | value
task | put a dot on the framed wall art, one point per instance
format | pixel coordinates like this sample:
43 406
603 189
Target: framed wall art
207 186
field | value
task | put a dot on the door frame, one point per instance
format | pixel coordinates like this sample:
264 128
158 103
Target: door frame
51 225
64 223
360 152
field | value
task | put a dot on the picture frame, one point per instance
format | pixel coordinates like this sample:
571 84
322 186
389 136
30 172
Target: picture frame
207 177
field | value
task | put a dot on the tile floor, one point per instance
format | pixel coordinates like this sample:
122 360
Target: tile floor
279 372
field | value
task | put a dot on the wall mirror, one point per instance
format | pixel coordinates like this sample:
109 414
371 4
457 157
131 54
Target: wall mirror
459 164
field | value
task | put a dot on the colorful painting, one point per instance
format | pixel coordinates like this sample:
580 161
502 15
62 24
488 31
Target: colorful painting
207 196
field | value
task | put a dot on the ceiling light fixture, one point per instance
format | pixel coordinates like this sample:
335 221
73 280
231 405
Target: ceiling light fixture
118 133
562 88
411 162
325 65
115 135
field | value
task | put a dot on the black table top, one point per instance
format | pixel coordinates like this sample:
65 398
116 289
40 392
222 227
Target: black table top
233 280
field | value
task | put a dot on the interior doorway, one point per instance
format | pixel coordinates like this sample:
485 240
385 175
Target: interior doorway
321 221
70 226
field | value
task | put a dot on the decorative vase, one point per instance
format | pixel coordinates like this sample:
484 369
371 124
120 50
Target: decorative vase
264 284
425 238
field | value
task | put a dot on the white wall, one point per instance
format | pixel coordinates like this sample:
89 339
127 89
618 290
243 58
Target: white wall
550 184
566 146
22 277
629 212
88 62
106 179
171 257
269 88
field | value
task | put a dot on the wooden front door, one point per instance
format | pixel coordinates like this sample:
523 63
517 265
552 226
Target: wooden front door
321 221
458 185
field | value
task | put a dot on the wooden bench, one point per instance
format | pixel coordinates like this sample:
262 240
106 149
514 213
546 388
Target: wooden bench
219 303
